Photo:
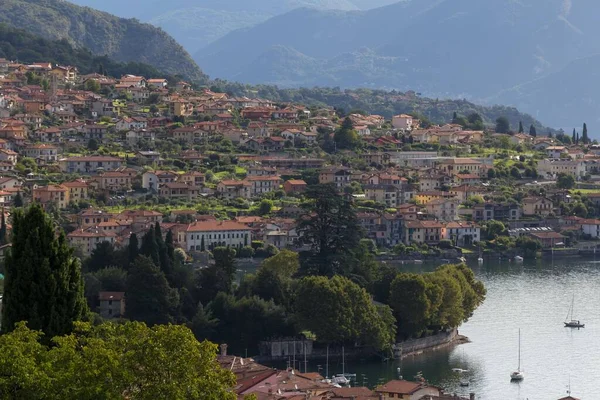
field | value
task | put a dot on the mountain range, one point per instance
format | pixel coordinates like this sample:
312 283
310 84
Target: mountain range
197 23
483 50
125 40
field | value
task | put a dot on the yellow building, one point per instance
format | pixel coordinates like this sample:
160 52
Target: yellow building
56 195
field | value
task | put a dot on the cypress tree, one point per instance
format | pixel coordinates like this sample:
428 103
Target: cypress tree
3 229
18 202
521 130
43 283
577 138
584 136
170 245
532 131
133 249
149 246
574 136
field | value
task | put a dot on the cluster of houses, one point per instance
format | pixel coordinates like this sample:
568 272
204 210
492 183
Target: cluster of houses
291 384
424 197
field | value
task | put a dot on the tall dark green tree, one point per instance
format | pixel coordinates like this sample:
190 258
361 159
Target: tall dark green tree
150 247
521 130
165 261
502 125
102 256
18 202
346 136
218 277
532 131
3 237
43 283
133 249
577 138
584 136
149 297
574 136
329 225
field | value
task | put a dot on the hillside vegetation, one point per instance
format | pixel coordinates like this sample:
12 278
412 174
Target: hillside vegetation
385 103
17 44
125 40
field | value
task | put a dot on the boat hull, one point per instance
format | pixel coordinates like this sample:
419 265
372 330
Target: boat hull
517 376
574 325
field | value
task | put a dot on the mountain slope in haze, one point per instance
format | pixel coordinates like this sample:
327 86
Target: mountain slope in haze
566 98
18 44
125 40
196 23
440 47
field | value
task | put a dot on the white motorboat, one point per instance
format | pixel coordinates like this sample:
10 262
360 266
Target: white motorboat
518 259
518 374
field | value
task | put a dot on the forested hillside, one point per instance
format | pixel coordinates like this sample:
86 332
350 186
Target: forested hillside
103 34
383 102
25 47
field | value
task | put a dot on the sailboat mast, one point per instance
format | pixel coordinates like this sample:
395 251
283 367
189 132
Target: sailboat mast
343 362
327 364
519 369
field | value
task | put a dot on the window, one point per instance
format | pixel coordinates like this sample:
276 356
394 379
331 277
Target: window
110 302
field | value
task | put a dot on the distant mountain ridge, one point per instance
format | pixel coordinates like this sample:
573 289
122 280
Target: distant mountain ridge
196 23
445 48
125 40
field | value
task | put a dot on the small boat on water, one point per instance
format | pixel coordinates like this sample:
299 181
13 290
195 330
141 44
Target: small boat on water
460 370
480 260
464 382
518 259
418 261
518 375
571 322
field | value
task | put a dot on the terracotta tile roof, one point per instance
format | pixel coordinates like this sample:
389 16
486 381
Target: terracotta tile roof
399 387
208 226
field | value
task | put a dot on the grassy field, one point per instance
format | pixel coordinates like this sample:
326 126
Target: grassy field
585 191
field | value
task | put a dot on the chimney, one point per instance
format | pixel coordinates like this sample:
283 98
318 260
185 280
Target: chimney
471 396
224 349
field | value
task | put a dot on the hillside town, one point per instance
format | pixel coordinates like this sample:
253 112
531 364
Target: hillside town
113 159
114 156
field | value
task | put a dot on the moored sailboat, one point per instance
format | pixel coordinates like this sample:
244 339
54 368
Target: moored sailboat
518 374
571 322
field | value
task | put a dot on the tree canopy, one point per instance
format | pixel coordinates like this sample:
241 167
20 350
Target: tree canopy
112 361
339 311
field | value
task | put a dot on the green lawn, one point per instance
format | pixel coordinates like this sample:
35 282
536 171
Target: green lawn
585 191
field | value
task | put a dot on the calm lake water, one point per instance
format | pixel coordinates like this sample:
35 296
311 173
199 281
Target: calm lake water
534 297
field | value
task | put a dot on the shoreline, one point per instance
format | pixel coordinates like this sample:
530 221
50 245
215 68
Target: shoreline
457 341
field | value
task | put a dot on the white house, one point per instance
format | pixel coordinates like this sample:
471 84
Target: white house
590 227
403 122
462 233
211 234
555 151
551 168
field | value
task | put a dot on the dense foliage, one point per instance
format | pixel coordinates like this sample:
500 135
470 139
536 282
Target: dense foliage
17 44
112 361
43 282
434 301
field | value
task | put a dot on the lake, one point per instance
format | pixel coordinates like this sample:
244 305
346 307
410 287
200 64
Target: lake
534 297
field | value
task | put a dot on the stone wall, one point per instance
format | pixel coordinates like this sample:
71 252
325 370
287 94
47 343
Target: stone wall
416 346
